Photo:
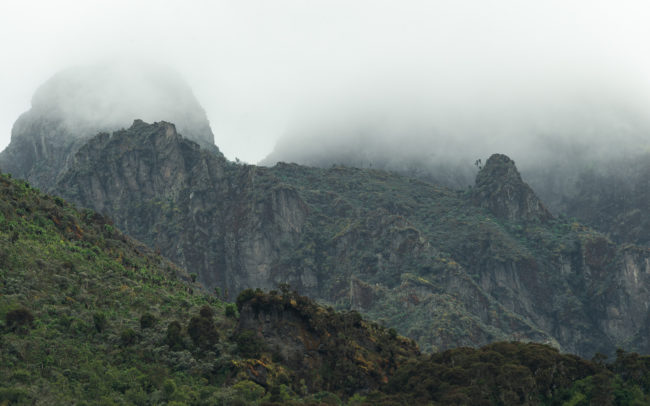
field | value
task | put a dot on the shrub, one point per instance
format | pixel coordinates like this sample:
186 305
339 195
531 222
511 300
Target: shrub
18 319
174 338
248 390
206 311
13 395
202 330
128 337
248 344
147 320
169 388
231 311
21 376
246 295
99 319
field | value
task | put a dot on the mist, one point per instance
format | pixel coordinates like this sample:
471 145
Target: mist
411 81
538 120
84 100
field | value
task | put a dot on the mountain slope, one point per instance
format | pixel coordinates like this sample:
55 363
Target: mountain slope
444 267
90 316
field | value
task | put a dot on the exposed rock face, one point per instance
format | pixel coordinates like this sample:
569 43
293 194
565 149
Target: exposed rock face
421 258
500 189
191 204
77 103
324 348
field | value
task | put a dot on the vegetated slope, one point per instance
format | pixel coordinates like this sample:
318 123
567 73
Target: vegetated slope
615 198
581 174
519 374
446 268
90 316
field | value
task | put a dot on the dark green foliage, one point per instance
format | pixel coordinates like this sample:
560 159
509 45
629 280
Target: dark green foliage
19 319
202 329
100 321
325 349
169 388
249 345
245 295
515 374
14 396
128 337
147 320
206 312
231 311
174 337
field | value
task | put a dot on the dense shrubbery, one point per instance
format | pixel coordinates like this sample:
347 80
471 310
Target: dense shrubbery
19 319
511 373
202 329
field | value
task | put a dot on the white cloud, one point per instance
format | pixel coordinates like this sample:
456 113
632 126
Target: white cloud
259 66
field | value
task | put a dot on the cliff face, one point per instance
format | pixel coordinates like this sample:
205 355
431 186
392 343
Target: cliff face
443 267
326 349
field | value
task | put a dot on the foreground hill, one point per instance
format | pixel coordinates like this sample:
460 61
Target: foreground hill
90 316
446 268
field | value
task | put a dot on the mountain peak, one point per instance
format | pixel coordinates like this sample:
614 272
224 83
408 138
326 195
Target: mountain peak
77 103
500 189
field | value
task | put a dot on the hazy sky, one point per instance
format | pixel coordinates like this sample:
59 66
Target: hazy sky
258 67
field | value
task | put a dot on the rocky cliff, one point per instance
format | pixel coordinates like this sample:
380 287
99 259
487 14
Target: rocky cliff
446 268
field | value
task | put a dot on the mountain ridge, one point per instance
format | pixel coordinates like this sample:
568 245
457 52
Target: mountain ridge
400 250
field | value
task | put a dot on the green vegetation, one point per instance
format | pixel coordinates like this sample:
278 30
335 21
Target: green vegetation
92 317
510 373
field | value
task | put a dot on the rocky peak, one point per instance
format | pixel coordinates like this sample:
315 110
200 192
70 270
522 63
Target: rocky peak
500 189
77 103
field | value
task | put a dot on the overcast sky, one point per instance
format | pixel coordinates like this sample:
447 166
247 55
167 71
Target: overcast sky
258 67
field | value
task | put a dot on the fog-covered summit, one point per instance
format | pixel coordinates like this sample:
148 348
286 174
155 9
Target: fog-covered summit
105 97
77 103
439 134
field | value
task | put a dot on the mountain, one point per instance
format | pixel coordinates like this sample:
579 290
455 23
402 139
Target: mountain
77 103
585 158
443 267
90 316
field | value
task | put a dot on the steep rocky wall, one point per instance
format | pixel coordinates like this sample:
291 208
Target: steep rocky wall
444 267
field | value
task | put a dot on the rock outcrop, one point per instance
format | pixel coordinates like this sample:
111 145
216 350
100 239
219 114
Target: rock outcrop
324 348
500 189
